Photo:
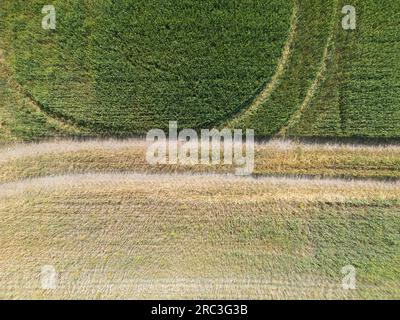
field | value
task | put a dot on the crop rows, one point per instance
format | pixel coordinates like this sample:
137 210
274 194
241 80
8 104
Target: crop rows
125 67
122 68
360 96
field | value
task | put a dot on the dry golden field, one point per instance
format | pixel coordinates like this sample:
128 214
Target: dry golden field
272 158
113 227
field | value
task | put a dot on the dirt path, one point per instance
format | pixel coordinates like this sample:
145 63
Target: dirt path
290 189
24 150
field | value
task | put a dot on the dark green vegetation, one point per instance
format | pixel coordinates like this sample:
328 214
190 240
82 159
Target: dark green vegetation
360 95
123 67
127 66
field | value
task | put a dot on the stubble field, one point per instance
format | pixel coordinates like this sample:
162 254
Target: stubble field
140 232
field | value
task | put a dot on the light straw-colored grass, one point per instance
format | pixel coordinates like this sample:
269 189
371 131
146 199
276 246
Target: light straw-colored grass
198 236
273 158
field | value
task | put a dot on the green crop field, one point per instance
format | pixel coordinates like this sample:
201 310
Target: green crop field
127 66
122 68
360 93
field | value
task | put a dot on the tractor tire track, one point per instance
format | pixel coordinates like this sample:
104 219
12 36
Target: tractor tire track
329 48
270 87
17 89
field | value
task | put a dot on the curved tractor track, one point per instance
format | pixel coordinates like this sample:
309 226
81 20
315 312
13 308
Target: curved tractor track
274 107
20 94
266 92
328 50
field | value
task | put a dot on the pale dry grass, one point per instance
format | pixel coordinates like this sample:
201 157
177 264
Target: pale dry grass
114 227
266 188
22 150
183 236
277 157
17 151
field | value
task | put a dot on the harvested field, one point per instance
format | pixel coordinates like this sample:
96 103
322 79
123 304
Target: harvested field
188 236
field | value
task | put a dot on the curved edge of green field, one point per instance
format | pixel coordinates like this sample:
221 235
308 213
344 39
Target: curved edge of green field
324 103
53 104
21 117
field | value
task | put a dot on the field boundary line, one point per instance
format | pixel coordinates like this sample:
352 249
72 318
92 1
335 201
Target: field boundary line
30 101
296 116
281 66
19 150
112 179
6 130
